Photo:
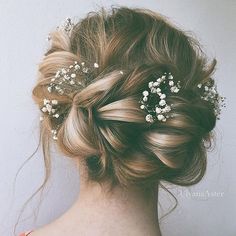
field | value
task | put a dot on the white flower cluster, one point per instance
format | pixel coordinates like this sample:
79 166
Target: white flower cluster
50 107
211 95
162 108
54 134
66 25
65 79
65 82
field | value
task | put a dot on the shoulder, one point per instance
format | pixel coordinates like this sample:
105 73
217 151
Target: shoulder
26 233
42 231
54 228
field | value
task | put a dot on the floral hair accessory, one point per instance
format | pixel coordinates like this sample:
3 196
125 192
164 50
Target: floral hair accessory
66 26
65 82
153 99
210 94
49 107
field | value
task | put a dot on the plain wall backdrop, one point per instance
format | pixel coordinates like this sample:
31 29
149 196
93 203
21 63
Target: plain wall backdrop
205 209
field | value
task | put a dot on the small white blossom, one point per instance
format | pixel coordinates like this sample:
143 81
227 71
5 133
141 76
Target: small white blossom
160 117
176 90
48 37
44 109
49 107
77 67
150 84
57 74
167 108
66 77
153 90
45 101
162 102
163 96
73 75
149 118
85 70
145 93
158 110
145 99
96 65
63 70
54 102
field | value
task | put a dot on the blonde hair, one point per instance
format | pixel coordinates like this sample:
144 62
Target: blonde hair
104 125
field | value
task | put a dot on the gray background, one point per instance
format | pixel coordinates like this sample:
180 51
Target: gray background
204 209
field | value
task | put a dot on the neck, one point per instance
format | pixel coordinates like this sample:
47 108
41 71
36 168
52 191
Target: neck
129 211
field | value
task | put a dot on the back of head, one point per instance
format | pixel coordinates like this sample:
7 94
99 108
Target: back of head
102 123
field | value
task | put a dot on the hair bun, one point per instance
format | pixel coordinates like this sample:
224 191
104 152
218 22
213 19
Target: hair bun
102 121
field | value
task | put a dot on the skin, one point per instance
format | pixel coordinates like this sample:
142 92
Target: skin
129 212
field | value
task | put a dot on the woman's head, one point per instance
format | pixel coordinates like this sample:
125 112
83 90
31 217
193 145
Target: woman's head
102 124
